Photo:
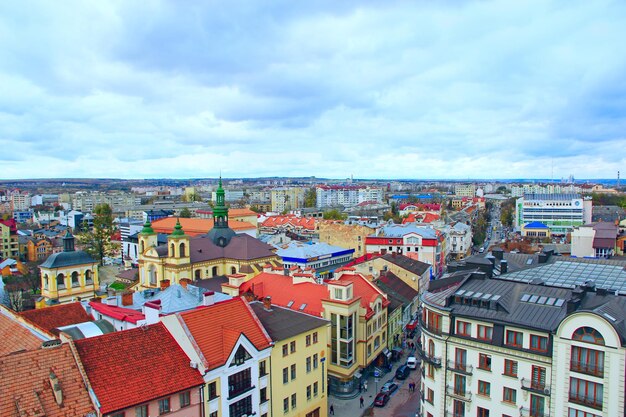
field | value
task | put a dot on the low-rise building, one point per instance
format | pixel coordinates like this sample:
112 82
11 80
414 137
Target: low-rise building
597 240
412 272
536 230
321 257
349 234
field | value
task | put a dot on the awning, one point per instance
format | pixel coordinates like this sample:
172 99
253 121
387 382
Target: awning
386 352
411 326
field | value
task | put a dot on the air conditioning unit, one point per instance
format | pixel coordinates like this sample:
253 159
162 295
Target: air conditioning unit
546 391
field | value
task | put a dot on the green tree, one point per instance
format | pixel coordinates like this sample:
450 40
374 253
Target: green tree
334 214
97 241
185 213
310 198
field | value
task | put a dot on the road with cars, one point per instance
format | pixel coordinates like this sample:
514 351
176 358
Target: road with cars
402 401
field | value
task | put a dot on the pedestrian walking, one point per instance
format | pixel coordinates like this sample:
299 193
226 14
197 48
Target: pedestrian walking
332 410
361 401
365 385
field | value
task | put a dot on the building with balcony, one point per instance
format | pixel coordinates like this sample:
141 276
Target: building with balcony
69 275
495 347
346 196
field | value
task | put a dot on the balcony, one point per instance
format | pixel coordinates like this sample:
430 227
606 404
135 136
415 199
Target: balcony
430 328
527 412
456 414
433 360
536 387
592 402
460 367
587 368
459 394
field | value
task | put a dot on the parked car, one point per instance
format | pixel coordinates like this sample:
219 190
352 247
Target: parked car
381 399
411 362
403 372
389 387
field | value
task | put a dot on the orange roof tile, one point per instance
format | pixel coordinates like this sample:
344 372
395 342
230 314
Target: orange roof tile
361 287
277 221
244 212
26 389
194 227
135 366
216 329
51 318
14 336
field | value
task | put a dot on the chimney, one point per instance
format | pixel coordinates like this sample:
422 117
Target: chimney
127 298
165 283
111 301
504 267
151 311
267 303
184 281
393 254
208 298
56 388
498 253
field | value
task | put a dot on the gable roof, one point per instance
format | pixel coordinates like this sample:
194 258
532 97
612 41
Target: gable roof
195 226
51 318
26 389
298 222
282 323
15 337
156 366
392 284
412 265
217 328
364 289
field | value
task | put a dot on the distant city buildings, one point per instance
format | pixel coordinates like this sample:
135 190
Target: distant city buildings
346 196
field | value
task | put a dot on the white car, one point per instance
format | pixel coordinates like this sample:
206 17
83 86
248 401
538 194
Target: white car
411 362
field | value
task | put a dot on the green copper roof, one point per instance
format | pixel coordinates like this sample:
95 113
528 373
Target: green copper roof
178 229
147 228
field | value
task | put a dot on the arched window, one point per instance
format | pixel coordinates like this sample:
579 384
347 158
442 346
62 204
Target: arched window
75 282
88 278
589 335
233 270
61 281
45 282
172 253
181 248
152 274
142 247
431 348
214 271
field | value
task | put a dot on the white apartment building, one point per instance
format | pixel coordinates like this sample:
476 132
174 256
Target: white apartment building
284 199
87 202
495 348
560 212
465 190
520 190
346 196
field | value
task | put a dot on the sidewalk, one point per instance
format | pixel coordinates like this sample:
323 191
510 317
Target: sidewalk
351 407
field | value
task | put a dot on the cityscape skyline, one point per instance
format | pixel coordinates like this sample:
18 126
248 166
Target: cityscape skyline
453 91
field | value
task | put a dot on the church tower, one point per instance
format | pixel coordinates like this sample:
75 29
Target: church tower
178 246
221 233
147 238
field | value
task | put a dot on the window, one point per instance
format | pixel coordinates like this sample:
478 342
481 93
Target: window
430 370
308 392
579 413
315 361
239 383
75 279
293 371
514 338
285 375
434 322
293 401
586 393
509 395
285 350
315 389
185 399
460 359
241 407
538 379
459 384
510 368
262 368
212 390
587 361
463 328
484 362
292 347
286 405
308 364
141 411
482 412
430 395
589 335
458 408
117 415
164 406
308 340
539 343
338 293
263 393
484 388
314 337
485 332
537 405
241 356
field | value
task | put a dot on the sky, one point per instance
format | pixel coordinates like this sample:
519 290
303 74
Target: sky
373 89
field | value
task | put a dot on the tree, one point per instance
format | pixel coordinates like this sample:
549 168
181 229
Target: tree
97 241
334 214
310 198
185 213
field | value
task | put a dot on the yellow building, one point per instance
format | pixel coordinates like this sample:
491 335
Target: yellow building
9 247
69 275
337 233
415 274
219 252
298 359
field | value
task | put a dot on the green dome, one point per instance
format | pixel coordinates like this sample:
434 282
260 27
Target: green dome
147 228
178 230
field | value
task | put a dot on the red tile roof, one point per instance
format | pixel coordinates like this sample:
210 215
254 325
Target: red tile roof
118 313
195 226
135 366
11 224
51 318
301 222
368 292
25 384
282 290
216 329
14 336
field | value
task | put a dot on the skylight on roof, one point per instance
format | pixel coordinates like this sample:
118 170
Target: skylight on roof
289 304
525 297
496 297
469 293
559 302
550 301
459 292
608 316
302 307
478 295
542 300
529 261
486 296
533 299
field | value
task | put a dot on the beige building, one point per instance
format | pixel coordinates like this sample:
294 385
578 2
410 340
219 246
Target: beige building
285 199
337 233
412 272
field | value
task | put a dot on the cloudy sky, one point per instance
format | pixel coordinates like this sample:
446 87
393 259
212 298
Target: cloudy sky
375 89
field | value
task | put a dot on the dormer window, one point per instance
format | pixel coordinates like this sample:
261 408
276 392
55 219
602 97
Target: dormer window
348 293
241 356
339 293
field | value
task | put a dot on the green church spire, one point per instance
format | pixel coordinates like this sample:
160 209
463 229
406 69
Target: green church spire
220 211
178 229
147 228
